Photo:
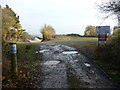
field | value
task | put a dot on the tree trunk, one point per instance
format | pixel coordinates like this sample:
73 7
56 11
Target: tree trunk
118 19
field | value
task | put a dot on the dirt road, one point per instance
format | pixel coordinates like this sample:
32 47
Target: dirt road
58 60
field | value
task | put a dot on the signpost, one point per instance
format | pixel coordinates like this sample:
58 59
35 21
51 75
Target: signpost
102 29
13 59
102 32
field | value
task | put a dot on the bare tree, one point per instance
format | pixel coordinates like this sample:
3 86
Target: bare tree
111 7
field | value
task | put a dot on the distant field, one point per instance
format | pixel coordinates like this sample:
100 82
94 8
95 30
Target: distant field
87 45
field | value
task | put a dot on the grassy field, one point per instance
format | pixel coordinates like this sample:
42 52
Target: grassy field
28 66
107 57
86 45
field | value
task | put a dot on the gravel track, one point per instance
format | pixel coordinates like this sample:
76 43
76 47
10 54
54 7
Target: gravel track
55 60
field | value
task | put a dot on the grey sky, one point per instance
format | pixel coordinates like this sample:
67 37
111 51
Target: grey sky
66 16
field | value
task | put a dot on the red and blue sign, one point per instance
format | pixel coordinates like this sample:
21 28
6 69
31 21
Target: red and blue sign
102 32
102 38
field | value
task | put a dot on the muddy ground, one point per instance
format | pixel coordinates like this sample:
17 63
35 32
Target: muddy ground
58 60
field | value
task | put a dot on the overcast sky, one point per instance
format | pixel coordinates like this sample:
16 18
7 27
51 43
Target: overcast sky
66 16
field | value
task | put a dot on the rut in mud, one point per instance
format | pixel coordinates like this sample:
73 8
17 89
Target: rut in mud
57 58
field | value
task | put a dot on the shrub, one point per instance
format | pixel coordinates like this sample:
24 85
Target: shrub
117 33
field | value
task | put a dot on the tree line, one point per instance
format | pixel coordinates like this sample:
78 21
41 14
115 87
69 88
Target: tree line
12 29
48 32
11 26
109 8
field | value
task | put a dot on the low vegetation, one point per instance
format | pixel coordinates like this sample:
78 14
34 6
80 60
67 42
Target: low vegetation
109 57
29 67
73 80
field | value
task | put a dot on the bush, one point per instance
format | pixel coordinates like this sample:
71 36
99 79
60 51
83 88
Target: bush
109 58
110 53
117 33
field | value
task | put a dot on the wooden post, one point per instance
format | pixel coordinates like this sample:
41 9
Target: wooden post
98 40
13 59
0 47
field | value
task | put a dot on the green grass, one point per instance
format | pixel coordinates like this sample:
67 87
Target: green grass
28 66
67 38
27 51
86 45
73 81
109 58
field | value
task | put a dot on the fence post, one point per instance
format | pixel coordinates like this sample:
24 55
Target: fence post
98 40
13 59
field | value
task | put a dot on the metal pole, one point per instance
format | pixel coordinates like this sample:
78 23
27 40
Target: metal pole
13 59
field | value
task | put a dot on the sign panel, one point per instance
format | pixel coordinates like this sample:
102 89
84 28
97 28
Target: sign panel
102 36
102 39
102 42
13 48
102 29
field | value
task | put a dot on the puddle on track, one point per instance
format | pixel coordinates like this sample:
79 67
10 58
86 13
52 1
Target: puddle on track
42 51
52 62
69 52
87 64
37 52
